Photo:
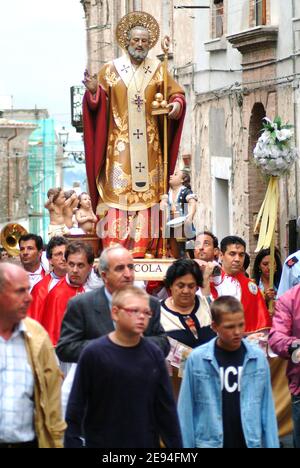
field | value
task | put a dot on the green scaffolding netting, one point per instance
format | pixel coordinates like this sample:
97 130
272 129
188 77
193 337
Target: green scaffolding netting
42 154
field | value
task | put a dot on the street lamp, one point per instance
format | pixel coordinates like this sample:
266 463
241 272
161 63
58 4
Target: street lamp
63 138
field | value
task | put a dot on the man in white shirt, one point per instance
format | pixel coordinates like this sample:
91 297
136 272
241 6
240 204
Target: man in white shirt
30 381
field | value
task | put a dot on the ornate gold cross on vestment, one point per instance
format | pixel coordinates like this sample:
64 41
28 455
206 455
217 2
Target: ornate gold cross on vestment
138 101
125 69
140 167
147 70
138 134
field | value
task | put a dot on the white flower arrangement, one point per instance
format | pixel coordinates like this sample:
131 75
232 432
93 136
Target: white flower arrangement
274 152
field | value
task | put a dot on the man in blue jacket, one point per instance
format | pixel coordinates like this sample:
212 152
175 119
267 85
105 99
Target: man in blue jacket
226 398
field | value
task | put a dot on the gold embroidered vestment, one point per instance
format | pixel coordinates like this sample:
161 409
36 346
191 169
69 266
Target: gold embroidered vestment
115 182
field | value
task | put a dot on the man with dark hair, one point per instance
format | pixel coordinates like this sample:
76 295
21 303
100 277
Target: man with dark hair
206 254
232 240
79 258
56 255
3 255
233 282
206 247
88 317
225 399
31 249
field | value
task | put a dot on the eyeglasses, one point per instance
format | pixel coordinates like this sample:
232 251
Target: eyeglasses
58 254
136 312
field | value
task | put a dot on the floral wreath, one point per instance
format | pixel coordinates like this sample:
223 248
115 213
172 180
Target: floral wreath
275 152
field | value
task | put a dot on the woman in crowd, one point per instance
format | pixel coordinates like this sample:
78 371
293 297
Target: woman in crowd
261 274
185 315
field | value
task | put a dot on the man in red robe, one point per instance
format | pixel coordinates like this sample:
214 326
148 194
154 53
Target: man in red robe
79 258
232 282
124 141
56 255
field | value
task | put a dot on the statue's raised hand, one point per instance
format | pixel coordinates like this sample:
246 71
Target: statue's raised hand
90 82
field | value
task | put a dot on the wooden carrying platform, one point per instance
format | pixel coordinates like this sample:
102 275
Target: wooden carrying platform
91 239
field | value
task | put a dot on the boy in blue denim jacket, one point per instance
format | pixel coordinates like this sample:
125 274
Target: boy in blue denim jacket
226 398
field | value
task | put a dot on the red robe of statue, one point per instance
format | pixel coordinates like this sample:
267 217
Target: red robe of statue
55 307
245 290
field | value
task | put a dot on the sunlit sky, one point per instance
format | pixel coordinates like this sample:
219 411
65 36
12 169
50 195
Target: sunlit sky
43 53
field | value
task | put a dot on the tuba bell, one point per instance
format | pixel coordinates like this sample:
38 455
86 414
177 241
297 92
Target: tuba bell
10 236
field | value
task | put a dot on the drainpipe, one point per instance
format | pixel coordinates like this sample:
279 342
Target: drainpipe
165 18
295 113
137 5
9 210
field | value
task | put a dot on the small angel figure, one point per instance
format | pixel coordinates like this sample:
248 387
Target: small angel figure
85 216
71 204
56 204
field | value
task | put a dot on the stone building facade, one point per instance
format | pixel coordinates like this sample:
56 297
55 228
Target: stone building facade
238 62
257 57
44 164
14 171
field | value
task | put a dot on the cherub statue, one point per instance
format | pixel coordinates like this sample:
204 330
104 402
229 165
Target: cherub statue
71 204
85 216
56 205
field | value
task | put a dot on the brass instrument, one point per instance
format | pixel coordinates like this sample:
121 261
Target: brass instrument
10 236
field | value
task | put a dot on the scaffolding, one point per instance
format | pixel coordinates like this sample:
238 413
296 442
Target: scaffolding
42 174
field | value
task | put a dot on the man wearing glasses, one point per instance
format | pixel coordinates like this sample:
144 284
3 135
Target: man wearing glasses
88 316
121 389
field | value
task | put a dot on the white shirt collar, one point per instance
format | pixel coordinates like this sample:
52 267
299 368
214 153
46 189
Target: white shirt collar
19 329
37 272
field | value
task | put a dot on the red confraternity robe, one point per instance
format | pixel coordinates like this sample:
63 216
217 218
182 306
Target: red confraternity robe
245 290
55 307
39 294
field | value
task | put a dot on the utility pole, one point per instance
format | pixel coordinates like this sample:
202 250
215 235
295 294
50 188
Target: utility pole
165 18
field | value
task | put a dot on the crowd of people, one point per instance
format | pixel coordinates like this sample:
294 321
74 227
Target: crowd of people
184 363
211 325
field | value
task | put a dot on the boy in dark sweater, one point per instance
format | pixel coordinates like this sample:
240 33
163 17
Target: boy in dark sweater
122 396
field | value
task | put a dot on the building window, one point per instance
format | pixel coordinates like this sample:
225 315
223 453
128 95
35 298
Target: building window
219 18
260 12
